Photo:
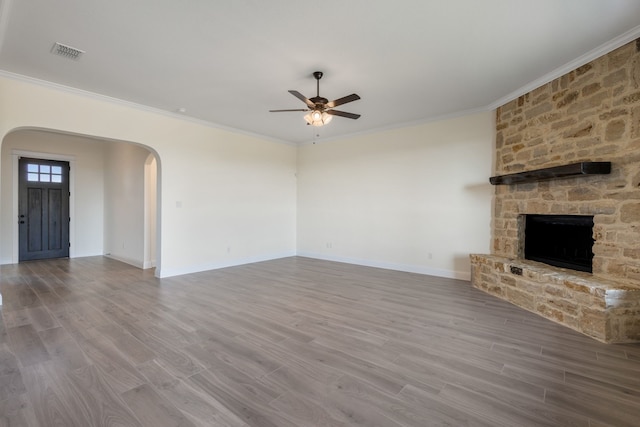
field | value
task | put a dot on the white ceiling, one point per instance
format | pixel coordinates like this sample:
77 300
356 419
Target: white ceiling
228 62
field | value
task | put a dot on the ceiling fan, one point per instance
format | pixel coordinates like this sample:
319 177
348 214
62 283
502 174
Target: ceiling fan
321 110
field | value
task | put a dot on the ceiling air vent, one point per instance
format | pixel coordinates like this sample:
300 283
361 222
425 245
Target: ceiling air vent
66 51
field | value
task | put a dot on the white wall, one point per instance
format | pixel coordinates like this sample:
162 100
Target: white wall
387 199
124 191
88 196
225 198
413 199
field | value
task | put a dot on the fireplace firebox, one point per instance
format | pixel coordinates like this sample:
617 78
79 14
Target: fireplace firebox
560 240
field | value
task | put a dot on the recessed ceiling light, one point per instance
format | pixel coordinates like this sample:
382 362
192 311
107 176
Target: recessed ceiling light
66 51
182 110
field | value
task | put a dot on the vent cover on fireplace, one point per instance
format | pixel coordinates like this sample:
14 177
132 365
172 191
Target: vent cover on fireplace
561 240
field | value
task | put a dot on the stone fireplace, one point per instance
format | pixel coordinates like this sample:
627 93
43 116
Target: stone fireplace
591 114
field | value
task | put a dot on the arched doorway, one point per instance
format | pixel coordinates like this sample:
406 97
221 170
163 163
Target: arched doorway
112 184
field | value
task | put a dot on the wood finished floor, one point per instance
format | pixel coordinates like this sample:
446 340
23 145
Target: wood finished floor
292 342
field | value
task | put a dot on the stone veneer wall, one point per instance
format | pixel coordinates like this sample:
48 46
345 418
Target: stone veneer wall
589 114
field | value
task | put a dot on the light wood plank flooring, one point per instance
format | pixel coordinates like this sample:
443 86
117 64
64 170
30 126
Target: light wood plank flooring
292 342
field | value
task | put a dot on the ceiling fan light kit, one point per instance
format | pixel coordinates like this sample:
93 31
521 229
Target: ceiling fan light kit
321 111
318 118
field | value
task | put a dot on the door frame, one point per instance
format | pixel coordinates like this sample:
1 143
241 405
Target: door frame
16 154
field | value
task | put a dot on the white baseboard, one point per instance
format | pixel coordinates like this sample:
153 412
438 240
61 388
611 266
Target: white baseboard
5 261
429 271
170 272
134 262
451 274
149 264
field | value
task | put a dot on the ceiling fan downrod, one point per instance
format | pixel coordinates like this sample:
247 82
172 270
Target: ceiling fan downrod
318 76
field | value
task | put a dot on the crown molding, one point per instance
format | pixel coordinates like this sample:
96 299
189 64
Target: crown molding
140 107
403 125
596 53
603 49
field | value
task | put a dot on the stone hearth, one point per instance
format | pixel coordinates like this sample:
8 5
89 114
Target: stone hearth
590 114
608 311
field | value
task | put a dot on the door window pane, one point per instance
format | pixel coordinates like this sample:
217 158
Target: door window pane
56 174
44 173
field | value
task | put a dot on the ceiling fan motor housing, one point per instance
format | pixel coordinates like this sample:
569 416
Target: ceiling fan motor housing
320 102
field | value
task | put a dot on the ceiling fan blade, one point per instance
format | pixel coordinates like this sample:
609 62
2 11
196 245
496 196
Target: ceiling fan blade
280 111
302 98
343 114
343 100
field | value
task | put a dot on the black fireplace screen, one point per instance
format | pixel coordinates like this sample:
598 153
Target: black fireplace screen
560 240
